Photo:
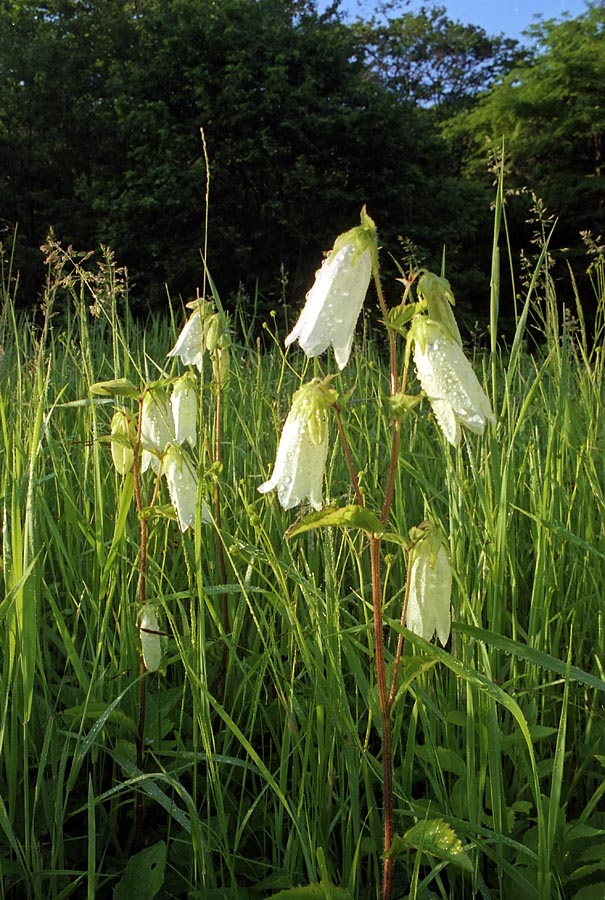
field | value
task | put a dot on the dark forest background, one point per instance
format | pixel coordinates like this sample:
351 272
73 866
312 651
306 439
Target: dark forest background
306 117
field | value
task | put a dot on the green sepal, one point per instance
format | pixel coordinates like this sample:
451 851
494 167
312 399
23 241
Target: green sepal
438 297
119 387
352 516
115 439
400 404
158 512
433 836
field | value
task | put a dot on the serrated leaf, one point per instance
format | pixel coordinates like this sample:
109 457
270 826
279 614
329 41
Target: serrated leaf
352 516
92 712
144 874
312 892
591 892
400 404
118 387
436 837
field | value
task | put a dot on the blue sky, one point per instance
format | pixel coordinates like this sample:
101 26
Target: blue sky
495 16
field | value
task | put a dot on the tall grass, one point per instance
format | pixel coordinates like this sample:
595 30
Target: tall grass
264 773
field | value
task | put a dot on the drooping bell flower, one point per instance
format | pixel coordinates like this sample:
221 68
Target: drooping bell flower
199 333
303 448
449 381
182 487
157 428
334 302
122 441
149 633
184 405
429 600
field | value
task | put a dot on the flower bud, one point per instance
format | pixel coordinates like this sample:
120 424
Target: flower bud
122 444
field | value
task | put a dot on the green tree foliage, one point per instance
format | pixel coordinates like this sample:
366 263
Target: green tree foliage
101 102
427 57
550 114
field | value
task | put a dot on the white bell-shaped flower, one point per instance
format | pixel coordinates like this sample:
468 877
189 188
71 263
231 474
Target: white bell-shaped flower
429 600
303 448
149 632
190 344
201 332
157 428
449 381
182 487
183 402
334 302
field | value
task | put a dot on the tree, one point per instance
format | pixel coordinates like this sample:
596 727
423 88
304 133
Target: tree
549 113
431 59
100 121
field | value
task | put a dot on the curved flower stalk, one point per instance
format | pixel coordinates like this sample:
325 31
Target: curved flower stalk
303 448
429 601
334 302
448 380
183 403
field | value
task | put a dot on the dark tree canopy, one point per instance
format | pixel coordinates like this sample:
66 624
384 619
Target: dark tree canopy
306 118
426 57
549 113
100 109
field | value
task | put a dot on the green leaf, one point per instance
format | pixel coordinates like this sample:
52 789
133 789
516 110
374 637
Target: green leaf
119 387
433 836
144 875
312 892
400 404
352 516
93 712
591 892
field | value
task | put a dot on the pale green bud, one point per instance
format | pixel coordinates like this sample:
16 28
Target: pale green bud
123 438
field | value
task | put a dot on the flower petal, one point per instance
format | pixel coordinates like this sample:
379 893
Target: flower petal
151 644
183 402
333 304
299 465
182 486
190 343
429 601
450 383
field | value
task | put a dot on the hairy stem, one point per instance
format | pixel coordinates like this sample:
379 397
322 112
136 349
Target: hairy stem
387 752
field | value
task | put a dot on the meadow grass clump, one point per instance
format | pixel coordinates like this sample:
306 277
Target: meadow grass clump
261 764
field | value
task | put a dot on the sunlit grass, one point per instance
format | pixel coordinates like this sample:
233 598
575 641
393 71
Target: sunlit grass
264 773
